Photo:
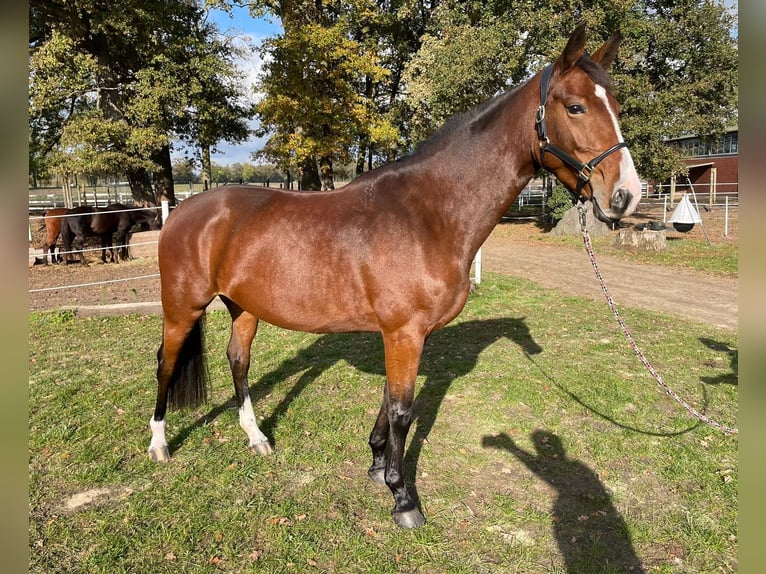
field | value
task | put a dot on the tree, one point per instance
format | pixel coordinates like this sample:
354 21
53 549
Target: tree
678 76
219 103
125 72
341 61
183 170
394 31
676 73
312 107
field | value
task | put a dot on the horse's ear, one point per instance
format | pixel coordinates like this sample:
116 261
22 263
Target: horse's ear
574 48
607 53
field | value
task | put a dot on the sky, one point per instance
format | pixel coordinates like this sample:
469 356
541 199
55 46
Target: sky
241 24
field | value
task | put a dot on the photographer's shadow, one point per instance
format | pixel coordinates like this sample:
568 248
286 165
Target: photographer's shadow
590 533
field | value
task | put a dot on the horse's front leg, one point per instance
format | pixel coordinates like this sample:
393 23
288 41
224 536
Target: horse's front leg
123 237
403 350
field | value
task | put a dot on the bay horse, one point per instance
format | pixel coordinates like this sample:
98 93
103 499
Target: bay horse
390 252
52 223
104 223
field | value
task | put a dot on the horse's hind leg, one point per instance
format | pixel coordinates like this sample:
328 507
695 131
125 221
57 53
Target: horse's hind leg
378 441
121 245
243 329
78 245
180 365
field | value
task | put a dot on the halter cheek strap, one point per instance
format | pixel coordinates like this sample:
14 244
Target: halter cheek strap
584 170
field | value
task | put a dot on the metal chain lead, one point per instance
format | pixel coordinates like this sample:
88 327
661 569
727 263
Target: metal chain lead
698 415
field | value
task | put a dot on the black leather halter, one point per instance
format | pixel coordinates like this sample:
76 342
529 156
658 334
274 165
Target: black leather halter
584 170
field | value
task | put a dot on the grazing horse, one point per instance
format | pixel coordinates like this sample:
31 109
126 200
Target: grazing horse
115 218
118 219
52 223
390 252
75 227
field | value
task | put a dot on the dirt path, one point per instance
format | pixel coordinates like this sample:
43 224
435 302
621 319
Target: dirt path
689 294
686 293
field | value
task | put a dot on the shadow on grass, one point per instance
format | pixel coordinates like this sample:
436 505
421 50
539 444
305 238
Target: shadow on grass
591 534
576 398
727 378
449 353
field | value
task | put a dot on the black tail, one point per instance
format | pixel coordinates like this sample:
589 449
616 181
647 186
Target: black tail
188 387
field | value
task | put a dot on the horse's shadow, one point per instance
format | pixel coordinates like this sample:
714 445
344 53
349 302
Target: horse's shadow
448 354
588 528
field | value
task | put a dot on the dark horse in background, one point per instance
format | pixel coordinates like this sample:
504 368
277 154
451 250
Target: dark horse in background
113 224
390 252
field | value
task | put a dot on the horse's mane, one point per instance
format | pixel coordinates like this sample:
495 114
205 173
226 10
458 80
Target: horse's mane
453 125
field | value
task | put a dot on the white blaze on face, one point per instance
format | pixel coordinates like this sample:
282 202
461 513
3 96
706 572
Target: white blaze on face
628 176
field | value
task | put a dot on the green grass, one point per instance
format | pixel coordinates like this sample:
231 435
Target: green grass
541 445
720 259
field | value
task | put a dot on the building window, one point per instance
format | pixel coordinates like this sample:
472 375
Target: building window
697 147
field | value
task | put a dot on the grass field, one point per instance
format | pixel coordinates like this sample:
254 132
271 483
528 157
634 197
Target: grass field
720 259
540 446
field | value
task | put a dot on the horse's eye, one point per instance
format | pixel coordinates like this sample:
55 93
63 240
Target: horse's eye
575 109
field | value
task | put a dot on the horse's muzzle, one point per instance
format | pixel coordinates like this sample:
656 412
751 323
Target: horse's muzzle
622 203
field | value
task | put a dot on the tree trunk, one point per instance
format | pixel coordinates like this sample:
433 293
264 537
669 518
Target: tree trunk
326 172
570 224
310 175
163 177
141 186
642 239
206 166
361 159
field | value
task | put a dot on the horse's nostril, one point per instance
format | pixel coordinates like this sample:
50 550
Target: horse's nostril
621 198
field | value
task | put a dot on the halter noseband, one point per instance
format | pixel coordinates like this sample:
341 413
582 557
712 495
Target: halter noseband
584 170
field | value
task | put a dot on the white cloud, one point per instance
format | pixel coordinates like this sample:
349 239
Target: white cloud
248 34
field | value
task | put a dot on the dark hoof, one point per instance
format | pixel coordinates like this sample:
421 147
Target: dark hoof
160 454
377 475
262 448
410 518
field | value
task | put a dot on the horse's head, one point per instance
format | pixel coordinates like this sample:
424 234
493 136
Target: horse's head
578 131
149 219
155 220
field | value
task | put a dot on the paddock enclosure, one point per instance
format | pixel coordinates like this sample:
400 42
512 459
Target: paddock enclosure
410 265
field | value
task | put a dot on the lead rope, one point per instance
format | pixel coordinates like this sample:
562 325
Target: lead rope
613 307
